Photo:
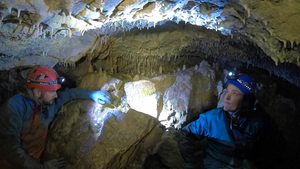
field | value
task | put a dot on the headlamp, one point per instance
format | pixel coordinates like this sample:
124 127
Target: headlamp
233 75
60 79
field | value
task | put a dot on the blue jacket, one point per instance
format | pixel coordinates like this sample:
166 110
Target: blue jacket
16 121
226 146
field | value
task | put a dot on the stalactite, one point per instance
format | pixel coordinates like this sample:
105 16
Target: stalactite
9 9
19 11
41 29
196 67
160 69
143 70
284 43
248 12
65 63
135 68
150 66
138 70
51 33
36 32
64 17
69 33
1 18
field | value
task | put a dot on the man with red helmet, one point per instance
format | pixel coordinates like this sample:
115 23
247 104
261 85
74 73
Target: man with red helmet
25 118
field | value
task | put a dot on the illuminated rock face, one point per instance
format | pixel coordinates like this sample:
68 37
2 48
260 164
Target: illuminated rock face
115 142
174 98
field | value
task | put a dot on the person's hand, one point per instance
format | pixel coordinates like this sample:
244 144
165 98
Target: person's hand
101 97
55 164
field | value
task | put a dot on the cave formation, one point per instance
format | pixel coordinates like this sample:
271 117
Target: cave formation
141 50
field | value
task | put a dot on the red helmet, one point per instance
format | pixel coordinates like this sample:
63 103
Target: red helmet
43 77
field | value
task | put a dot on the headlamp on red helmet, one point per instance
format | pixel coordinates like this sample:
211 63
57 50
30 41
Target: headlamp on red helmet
45 78
59 80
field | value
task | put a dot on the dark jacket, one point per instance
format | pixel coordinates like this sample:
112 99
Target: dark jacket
24 125
227 146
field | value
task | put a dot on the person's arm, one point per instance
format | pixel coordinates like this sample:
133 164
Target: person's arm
70 94
197 127
10 135
188 135
101 97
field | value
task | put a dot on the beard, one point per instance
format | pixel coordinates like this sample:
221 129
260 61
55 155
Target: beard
48 103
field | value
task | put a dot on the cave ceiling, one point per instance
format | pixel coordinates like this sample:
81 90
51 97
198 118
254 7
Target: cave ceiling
148 32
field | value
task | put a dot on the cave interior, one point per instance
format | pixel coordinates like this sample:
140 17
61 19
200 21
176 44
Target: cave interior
143 50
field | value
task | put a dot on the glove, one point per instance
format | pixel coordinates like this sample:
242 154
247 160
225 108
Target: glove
101 97
55 164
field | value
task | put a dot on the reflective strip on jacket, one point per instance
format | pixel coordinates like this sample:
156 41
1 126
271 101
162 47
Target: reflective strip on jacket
224 146
22 140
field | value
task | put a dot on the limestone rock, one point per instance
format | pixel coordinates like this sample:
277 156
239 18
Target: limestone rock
114 143
142 96
100 81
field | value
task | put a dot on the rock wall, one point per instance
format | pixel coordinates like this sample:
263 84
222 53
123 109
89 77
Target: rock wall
31 27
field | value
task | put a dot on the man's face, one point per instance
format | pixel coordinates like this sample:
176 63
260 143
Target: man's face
49 97
233 98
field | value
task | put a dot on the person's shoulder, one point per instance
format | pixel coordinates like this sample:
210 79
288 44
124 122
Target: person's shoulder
14 100
213 112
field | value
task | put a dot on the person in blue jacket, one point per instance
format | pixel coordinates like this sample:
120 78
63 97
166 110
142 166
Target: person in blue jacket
25 117
230 130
